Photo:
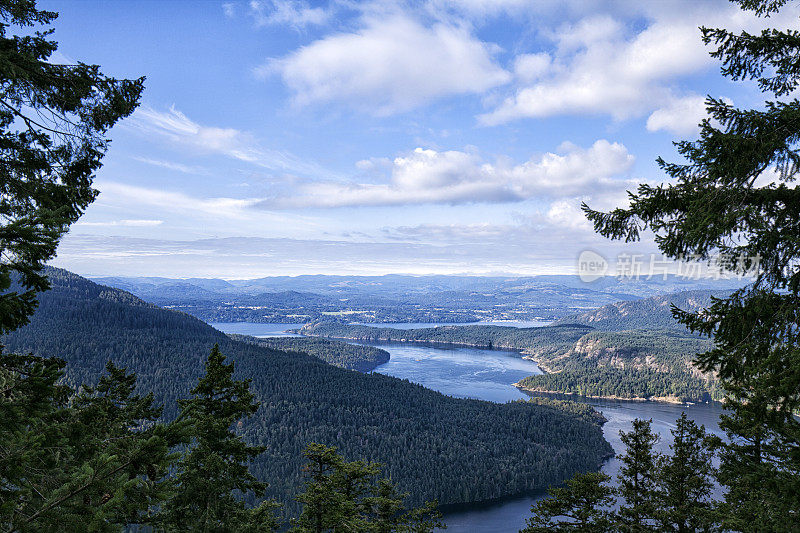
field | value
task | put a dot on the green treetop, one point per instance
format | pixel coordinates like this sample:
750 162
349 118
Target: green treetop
349 496
53 124
213 474
582 505
685 481
734 198
637 477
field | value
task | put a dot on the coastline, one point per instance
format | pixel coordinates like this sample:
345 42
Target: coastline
656 399
524 355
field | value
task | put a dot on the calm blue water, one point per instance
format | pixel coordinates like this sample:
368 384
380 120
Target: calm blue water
510 515
488 375
459 371
256 330
418 325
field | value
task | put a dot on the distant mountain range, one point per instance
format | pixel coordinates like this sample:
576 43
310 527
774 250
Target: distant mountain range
398 298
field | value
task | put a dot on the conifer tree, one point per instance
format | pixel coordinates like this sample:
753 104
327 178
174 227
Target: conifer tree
349 496
213 475
96 463
735 201
582 505
53 124
637 478
685 481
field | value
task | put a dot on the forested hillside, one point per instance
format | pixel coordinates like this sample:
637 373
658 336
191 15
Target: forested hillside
635 364
649 313
337 353
433 446
545 340
578 359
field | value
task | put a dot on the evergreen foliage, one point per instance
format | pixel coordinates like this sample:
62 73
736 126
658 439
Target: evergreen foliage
579 506
95 463
53 122
685 481
637 478
735 199
656 492
337 353
453 450
214 470
348 496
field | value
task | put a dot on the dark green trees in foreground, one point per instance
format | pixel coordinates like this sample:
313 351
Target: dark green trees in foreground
53 125
735 200
213 470
342 496
655 492
75 462
100 460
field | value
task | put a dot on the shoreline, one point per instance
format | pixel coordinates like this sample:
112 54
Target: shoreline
655 399
523 355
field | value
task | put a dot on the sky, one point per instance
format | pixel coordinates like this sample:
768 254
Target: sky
279 137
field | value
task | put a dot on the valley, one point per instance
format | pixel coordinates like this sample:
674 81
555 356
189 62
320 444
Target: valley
576 358
486 374
454 450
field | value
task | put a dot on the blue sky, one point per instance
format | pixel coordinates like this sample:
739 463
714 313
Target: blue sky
281 138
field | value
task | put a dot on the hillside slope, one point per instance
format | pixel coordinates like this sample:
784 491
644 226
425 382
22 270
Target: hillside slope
647 313
336 353
433 446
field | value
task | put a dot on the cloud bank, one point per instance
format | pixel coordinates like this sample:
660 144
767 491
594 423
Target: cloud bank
454 177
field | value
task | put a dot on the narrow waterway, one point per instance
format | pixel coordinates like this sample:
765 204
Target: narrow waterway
489 375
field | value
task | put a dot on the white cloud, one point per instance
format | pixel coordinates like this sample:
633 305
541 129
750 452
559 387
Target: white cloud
482 8
392 64
529 67
171 165
172 202
680 116
458 177
136 223
600 66
229 9
236 144
599 69
296 14
567 214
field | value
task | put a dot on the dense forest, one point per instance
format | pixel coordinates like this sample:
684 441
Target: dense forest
337 353
453 450
631 364
544 339
577 358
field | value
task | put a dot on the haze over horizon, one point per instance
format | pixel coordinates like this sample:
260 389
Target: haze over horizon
438 137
